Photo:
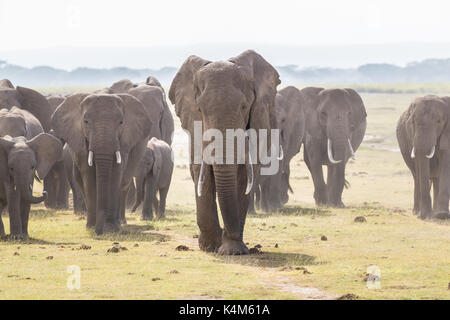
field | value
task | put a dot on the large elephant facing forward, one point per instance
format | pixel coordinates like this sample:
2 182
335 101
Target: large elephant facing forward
107 135
235 94
335 127
423 134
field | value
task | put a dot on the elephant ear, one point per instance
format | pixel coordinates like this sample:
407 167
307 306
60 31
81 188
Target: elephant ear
48 150
310 99
5 83
66 122
152 81
6 144
444 142
136 123
359 113
182 92
265 81
37 105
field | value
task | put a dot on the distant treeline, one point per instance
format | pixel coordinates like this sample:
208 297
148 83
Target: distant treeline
431 70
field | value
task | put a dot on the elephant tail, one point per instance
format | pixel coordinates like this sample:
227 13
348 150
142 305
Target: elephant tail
347 184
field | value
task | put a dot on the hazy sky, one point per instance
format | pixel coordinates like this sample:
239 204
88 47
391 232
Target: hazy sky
48 23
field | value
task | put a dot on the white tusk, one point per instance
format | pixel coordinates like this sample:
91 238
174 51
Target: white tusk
351 150
281 155
249 175
201 179
90 156
413 153
330 153
431 155
118 157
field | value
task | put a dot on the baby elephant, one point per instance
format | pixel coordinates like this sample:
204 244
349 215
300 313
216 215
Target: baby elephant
154 173
19 159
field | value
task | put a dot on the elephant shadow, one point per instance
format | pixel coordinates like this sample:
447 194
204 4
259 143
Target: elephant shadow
130 232
34 241
272 259
291 210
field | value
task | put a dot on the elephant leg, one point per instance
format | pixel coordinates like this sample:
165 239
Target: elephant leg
123 203
416 209
335 184
424 177
264 197
64 189
149 194
314 164
155 204
441 202
251 203
2 227
131 197
50 188
435 182
162 202
24 214
89 190
15 221
210 238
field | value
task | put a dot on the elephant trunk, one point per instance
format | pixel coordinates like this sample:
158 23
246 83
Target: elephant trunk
103 164
140 187
225 177
425 185
337 149
26 193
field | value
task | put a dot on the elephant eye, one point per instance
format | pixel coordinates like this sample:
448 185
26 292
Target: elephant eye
85 121
121 122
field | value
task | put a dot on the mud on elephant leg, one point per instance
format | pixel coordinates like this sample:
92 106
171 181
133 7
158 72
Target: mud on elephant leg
210 238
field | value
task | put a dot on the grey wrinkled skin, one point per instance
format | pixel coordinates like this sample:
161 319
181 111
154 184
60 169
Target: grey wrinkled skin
152 95
424 126
235 94
79 206
56 183
26 99
154 175
24 150
103 124
338 115
274 190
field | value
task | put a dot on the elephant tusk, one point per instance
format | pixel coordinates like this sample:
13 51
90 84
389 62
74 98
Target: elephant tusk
249 175
413 153
281 155
118 157
351 150
90 156
431 155
201 179
330 153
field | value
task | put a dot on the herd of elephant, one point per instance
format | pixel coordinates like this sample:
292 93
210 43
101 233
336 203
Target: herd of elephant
112 148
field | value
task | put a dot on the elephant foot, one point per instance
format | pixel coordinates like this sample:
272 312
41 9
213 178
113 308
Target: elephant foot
233 248
338 204
17 236
441 215
161 216
208 243
147 218
123 221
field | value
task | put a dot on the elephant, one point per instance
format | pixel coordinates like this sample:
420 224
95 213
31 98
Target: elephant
154 174
107 135
152 95
423 134
235 94
273 190
26 99
24 150
79 207
335 127
56 184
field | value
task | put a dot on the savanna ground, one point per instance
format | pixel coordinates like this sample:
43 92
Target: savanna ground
296 262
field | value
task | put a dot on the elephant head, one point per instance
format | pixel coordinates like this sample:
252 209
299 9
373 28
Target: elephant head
27 99
23 158
334 114
102 129
428 127
12 123
234 94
